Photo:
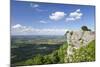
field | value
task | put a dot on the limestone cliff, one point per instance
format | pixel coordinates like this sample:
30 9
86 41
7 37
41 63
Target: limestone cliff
77 39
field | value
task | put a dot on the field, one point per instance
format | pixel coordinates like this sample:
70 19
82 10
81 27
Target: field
27 47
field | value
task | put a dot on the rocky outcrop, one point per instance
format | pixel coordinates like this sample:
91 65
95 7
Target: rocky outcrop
77 39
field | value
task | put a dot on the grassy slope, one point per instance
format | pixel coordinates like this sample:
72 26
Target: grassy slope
58 56
84 54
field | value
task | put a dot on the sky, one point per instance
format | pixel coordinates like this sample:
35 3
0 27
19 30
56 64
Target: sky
36 18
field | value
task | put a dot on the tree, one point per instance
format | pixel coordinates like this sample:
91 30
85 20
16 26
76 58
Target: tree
71 33
84 28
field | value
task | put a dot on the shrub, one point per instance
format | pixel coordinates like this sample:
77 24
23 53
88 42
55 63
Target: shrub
57 56
85 53
38 59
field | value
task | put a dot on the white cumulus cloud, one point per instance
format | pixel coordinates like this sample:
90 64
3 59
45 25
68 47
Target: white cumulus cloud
57 15
70 19
78 10
34 5
16 26
76 15
20 29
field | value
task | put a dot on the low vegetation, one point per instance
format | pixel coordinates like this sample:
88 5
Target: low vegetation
85 54
58 56
51 56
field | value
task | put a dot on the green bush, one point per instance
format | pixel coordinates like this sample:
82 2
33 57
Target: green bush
38 59
86 53
83 54
57 56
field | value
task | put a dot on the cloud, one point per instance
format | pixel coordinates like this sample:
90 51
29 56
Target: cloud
33 5
21 28
70 19
43 21
57 16
36 7
72 16
16 26
35 31
76 15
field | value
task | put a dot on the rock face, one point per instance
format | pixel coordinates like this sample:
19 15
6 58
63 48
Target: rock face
77 39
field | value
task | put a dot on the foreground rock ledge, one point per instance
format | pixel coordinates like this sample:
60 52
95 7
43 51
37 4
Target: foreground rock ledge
78 39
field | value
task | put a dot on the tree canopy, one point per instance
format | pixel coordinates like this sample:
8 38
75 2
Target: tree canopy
85 28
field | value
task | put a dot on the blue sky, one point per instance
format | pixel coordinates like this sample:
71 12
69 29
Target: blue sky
34 18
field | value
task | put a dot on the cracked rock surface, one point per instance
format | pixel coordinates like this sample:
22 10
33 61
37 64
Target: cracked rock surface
77 39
